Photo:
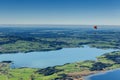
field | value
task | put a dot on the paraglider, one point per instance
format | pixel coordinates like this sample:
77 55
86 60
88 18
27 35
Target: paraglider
95 27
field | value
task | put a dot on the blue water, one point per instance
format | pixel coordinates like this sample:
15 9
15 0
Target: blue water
53 58
110 75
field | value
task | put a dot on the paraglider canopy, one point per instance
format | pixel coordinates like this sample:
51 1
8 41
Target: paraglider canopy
95 27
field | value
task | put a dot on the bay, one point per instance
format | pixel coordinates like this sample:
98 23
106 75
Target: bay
109 75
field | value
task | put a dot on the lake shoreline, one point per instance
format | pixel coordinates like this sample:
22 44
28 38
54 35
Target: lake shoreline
94 73
84 76
81 69
53 49
79 75
53 56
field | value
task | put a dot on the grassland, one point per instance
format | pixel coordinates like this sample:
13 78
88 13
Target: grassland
68 71
14 40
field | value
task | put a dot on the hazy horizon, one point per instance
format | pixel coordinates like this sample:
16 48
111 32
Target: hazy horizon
57 26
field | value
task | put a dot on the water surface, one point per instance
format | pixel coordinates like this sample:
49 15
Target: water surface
109 75
53 58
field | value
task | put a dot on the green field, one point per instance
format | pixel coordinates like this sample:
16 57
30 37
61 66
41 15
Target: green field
104 62
14 40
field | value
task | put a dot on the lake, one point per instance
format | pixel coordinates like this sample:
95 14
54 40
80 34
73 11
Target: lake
109 75
53 58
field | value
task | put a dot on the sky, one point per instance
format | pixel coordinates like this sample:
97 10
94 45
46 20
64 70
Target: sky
73 12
